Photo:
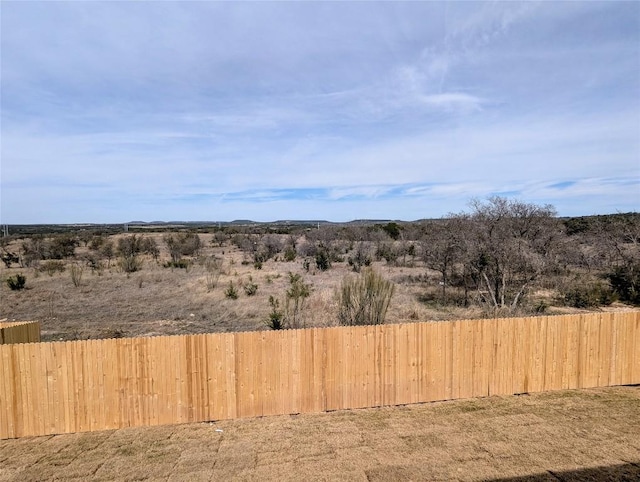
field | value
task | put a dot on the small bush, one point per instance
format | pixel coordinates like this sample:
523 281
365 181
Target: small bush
76 274
130 264
359 258
231 292
297 293
213 267
625 281
250 288
51 267
323 263
276 316
290 254
588 295
17 282
180 264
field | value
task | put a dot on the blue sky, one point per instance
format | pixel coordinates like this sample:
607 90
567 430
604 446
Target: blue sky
123 111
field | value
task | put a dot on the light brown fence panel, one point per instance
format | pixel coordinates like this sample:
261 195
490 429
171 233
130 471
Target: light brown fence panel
627 366
64 387
19 332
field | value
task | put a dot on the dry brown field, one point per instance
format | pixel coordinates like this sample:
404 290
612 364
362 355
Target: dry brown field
163 301
556 436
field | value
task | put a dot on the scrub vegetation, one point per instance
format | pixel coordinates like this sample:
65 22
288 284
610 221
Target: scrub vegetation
500 258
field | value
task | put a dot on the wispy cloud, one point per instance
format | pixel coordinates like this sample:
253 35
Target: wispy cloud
398 110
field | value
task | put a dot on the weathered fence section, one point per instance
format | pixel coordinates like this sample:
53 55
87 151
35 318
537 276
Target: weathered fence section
62 387
19 332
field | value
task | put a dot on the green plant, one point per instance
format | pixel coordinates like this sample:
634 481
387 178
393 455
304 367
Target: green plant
231 292
290 254
323 263
297 293
591 294
16 282
364 300
181 264
76 274
130 264
276 316
129 248
250 288
359 258
625 281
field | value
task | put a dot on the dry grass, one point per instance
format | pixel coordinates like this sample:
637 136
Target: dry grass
160 300
568 435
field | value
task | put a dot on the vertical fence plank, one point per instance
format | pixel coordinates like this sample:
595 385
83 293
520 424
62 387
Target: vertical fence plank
6 379
634 371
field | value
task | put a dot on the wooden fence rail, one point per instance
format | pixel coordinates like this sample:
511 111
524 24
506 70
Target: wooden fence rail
62 387
19 332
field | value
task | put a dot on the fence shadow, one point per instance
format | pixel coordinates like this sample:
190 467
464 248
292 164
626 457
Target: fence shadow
623 472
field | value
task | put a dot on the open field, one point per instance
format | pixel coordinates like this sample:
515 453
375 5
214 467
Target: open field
568 435
157 300
166 301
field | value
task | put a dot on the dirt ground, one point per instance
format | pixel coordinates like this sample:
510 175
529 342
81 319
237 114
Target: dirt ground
569 435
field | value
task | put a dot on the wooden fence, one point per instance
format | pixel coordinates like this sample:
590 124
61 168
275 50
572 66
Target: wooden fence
19 332
62 387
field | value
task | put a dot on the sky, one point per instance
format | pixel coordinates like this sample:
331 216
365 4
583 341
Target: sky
214 111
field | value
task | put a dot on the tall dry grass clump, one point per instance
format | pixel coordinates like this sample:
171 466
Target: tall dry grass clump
364 300
213 268
76 274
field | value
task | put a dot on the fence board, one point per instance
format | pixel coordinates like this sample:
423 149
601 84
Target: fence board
63 387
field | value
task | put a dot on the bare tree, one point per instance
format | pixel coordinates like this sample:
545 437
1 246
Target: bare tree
443 246
511 244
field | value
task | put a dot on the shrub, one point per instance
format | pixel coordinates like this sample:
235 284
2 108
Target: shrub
359 258
130 264
365 299
129 248
250 288
182 244
16 282
588 295
51 267
323 263
306 264
62 246
213 266
231 292
276 316
625 281
76 274
388 253
297 293
290 254
181 264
